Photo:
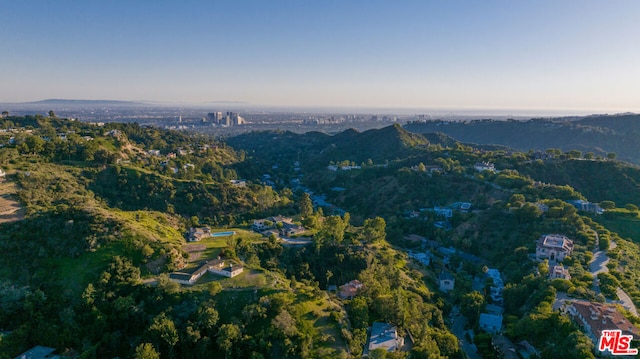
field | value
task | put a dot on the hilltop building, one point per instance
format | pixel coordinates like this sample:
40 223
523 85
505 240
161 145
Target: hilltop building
554 247
585 206
216 266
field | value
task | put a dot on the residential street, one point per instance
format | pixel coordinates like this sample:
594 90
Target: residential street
457 328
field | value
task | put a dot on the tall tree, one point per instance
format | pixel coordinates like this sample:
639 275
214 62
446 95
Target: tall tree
146 351
374 229
227 336
305 206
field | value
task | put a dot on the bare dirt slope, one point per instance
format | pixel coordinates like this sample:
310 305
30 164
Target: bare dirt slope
10 209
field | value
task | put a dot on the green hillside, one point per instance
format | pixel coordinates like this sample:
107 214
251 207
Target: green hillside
92 259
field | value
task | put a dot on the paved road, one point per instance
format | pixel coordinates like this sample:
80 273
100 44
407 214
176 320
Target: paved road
626 301
457 328
599 265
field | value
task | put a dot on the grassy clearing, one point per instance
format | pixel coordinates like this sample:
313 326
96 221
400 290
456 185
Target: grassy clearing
151 224
75 273
314 315
249 279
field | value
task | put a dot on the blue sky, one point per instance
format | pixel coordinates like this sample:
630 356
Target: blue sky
581 56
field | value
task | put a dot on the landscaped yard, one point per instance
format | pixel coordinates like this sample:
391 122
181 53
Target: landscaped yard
210 248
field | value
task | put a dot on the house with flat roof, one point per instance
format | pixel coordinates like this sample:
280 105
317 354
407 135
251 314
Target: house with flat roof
385 336
559 272
553 247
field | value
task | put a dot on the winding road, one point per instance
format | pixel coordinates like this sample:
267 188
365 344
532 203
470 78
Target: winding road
598 265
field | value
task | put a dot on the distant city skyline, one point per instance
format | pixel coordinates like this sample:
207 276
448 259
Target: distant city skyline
519 56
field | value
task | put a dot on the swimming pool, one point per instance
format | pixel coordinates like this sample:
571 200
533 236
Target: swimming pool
223 234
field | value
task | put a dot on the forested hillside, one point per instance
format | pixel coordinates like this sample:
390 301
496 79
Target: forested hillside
93 267
599 135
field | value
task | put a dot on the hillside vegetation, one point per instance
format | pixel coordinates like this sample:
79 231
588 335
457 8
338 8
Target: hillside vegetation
600 135
92 265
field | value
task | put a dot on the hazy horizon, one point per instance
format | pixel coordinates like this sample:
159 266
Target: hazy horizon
570 57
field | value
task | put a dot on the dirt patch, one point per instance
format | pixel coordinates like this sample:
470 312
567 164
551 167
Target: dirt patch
194 247
10 209
194 250
156 266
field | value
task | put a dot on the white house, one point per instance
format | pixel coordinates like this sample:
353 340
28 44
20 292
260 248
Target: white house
484 166
218 267
446 281
189 278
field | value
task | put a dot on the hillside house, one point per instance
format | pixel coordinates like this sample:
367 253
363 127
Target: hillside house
484 166
189 278
559 272
197 234
424 258
350 289
218 267
596 317
445 212
496 289
585 206
446 281
260 225
238 183
553 247
291 229
385 336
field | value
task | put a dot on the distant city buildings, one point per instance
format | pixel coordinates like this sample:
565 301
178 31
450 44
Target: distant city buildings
229 119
